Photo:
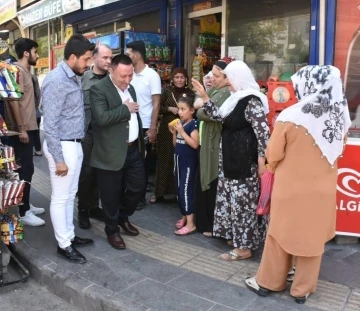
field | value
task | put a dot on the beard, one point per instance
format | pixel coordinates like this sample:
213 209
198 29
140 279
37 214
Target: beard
32 61
78 72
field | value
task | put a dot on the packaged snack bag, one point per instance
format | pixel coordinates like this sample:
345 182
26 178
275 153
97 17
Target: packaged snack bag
158 53
3 87
160 70
166 53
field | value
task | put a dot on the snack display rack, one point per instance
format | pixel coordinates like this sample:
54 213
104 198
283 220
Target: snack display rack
11 227
11 187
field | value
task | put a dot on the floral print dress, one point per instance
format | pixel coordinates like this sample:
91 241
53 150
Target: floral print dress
235 215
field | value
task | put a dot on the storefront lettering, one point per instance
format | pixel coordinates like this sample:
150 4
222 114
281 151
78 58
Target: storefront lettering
45 10
350 206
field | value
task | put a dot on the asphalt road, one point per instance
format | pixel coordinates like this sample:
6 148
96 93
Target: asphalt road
30 296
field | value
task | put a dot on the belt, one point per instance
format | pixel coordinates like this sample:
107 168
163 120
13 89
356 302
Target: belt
133 143
76 140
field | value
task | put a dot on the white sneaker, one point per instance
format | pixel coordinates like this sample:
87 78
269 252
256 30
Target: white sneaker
31 220
37 210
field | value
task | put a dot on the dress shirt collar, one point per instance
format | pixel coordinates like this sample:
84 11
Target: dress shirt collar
70 73
118 89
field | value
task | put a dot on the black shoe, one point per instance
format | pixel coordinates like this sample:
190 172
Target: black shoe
141 204
83 219
79 242
97 213
71 254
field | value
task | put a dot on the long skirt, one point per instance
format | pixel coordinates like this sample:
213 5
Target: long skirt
235 215
205 204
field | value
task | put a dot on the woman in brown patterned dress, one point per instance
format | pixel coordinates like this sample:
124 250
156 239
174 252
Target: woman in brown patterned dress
164 180
241 160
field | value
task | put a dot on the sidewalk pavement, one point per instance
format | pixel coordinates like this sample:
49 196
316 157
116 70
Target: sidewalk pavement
160 271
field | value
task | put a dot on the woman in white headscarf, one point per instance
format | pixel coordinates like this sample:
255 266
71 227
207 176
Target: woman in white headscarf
241 161
307 141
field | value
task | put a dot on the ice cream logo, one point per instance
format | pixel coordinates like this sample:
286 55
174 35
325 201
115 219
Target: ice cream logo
281 95
348 180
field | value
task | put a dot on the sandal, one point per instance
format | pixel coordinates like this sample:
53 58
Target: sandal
180 224
232 256
155 199
184 231
207 234
251 283
291 274
300 300
230 243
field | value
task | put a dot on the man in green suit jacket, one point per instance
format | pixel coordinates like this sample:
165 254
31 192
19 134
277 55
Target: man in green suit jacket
118 149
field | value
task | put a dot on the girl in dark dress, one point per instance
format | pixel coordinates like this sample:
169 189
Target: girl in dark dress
164 180
186 141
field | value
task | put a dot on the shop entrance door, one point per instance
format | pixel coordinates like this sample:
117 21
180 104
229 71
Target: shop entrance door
204 30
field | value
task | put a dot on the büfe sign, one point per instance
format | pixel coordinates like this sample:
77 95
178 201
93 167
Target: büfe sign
348 191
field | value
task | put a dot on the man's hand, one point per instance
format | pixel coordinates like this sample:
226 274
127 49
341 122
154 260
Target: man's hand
24 137
151 133
61 169
133 107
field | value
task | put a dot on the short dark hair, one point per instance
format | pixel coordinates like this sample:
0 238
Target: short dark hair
120 59
96 50
24 45
78 45
139 47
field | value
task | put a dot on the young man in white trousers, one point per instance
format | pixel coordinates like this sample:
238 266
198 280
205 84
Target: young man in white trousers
64 126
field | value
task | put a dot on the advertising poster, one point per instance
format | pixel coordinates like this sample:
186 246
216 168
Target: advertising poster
347 59
7 10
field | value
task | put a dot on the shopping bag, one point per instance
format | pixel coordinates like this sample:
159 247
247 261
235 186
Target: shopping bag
266 183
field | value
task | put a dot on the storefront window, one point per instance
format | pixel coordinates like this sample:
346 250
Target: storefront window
274 35
41 35
148 22
347 52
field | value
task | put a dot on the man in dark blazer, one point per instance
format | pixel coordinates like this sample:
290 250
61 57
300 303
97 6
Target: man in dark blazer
118 149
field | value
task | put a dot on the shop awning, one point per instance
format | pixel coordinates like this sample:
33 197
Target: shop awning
45 10
115 7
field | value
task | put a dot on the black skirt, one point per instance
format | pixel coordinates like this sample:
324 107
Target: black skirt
205 203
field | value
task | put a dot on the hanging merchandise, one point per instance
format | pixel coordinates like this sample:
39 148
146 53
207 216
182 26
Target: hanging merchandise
9 88
209 23
198 68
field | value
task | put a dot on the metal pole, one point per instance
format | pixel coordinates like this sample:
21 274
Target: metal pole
322 32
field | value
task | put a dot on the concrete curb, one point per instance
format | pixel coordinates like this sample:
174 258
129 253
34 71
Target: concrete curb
67 285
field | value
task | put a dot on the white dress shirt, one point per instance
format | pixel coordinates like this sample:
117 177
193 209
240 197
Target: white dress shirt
133 123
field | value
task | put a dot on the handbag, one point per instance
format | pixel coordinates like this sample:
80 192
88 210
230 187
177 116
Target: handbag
266 183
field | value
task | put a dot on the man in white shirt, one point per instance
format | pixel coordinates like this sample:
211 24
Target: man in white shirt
147 84
118 148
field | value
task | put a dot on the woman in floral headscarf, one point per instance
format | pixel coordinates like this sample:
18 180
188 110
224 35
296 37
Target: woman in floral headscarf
165 180
307 141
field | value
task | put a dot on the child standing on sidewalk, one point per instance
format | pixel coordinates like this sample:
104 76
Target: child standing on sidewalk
186 141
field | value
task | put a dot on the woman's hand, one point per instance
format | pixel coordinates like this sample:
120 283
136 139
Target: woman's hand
261 166
173 110
200 90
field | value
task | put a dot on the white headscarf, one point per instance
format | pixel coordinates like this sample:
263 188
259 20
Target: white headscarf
322 108
243 81
207 77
